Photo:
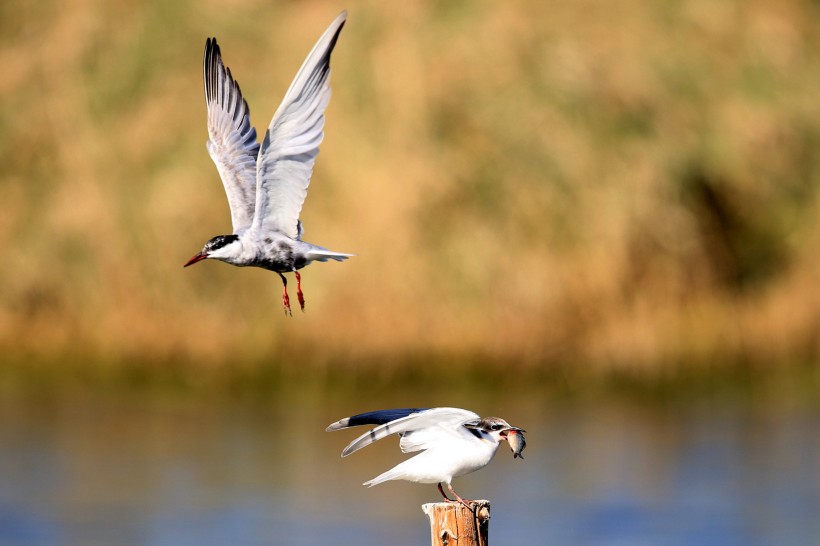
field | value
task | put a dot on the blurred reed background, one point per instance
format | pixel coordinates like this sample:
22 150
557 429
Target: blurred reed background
588 186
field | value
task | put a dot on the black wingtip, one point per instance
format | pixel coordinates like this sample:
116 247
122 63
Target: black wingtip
211 68
381 417
211 49
335 39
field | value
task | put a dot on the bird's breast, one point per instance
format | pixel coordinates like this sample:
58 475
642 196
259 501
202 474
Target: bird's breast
477 455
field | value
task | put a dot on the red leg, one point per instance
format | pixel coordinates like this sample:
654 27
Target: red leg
466 503
299 295
446 498
285 298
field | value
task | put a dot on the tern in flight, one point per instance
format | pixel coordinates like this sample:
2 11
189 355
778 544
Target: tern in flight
453 442
266 184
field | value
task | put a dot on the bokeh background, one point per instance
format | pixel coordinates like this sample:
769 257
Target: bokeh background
583 205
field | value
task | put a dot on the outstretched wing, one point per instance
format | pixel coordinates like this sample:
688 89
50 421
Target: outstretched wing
232 140
422 425
292 140
379 417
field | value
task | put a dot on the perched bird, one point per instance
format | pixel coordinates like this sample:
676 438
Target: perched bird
453 442
266 185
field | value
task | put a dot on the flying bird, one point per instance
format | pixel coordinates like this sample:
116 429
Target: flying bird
267 184
453 442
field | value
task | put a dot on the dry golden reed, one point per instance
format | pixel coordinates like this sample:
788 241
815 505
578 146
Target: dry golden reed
625 185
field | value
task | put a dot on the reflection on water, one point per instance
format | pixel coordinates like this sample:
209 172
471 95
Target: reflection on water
137 470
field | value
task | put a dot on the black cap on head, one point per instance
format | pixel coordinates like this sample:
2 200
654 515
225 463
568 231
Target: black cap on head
219 241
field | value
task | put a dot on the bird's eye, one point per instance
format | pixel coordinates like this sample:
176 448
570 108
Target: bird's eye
495 426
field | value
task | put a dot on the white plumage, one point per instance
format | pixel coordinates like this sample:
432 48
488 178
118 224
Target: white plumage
266 184
452 441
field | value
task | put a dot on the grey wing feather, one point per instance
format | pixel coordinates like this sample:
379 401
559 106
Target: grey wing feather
292 140
232 140
446 420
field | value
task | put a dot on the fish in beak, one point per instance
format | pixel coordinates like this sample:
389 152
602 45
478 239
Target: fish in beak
515 437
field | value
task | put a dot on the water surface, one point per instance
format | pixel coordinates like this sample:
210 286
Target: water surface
140 469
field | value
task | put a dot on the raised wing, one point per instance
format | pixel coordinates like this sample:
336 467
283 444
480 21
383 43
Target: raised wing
379 417
292 140
426 425
232 141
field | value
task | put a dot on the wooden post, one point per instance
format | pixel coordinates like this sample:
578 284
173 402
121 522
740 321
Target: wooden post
453 524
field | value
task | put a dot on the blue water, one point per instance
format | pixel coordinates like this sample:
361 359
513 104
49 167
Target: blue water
180 470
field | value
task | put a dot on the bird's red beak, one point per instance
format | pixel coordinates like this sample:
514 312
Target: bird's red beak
198 258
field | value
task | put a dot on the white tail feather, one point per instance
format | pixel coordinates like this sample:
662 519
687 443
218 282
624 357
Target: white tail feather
317 255
391 474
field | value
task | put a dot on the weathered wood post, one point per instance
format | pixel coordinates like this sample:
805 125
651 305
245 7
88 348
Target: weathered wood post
453 524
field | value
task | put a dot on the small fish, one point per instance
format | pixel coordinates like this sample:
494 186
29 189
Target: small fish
517 442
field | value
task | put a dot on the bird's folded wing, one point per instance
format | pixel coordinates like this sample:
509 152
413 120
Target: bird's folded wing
232 140
429 424
426 438
292 140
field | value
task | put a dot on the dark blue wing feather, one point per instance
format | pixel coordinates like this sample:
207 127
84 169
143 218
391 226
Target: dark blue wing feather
381 417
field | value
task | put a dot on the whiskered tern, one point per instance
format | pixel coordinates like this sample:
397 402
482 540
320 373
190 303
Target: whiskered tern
266 184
